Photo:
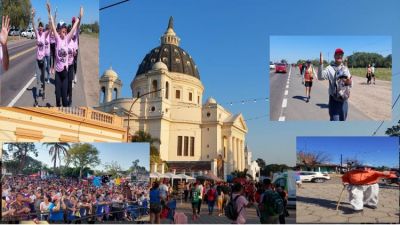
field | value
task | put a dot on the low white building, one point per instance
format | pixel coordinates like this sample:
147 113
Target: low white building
167 102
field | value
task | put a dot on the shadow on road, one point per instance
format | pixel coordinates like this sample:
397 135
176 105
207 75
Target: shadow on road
324 203
302 98
322 105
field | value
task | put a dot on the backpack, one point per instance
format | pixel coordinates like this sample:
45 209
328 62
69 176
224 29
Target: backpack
231 209
272 204
342 91
211 195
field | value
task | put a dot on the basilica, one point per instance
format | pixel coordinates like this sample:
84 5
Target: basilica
196 133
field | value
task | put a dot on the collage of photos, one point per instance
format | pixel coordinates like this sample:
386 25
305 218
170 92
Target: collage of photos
208 112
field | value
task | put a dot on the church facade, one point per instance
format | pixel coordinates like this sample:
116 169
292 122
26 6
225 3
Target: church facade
167 102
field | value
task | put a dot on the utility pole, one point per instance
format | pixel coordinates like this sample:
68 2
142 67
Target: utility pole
341 163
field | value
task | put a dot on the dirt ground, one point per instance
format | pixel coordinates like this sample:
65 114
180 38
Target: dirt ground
316 203
89 53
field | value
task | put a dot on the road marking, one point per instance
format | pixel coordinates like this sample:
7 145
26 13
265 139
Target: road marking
286 92
282 118
22 53
287 86
11 104
284 103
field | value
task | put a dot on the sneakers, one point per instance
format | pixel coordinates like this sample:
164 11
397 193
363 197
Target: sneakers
370 206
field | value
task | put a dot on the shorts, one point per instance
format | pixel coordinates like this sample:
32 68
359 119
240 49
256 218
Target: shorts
195 205
308 83
155 208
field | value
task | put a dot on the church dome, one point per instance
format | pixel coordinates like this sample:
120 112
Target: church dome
175 58
110 73
211 100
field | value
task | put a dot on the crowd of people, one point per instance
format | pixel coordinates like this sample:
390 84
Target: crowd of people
57 54
68 200
227 199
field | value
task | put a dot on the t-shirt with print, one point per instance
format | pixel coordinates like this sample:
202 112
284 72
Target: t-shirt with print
40 43
71 51
241 203
47 46
61 54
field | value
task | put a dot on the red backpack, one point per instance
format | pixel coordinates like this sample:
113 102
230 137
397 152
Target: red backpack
211 194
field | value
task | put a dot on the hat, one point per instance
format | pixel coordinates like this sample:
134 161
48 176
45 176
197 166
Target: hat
339 51
308 61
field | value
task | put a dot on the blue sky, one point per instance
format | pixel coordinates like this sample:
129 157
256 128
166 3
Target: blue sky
68 9
122 153
229 41
374 151
293 48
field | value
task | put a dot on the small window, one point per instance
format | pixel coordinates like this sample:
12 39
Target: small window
208 114
153 108
153 60
138 94
191 146
166 90
177 94
186 146
179 146
190 96
198 99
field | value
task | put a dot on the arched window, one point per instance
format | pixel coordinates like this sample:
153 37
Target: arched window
103 95
115 94
154 87
166 90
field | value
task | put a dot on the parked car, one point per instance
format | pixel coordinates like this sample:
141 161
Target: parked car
14 32
271 66
280 68
29 33
288 181
316 177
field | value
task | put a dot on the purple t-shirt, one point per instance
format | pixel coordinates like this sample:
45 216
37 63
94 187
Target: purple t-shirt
41 39
61 53
1 56
47 46
241 203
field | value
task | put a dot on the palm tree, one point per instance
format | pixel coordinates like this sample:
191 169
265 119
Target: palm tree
56 149
242 174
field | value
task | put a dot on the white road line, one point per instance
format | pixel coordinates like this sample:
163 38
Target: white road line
282 118
284 103
286 92
287 86
11 104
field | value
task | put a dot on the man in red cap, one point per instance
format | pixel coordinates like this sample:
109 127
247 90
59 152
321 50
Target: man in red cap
339 85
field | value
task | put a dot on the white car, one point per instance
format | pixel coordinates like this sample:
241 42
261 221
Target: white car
29 33
316 177
271 66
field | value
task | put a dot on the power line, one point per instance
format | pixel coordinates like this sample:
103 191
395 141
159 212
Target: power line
380 125
109 6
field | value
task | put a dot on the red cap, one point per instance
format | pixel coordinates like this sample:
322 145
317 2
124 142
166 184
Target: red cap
339 51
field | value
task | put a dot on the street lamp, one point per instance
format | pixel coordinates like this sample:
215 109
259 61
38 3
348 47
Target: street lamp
130 109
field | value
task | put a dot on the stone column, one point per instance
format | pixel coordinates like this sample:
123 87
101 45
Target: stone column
234 167
239 162
162 168
155 167
243 156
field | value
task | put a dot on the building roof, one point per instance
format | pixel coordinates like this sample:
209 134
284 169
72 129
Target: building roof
174 57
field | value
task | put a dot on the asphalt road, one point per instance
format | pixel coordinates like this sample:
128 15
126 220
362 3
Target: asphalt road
19 85
288 102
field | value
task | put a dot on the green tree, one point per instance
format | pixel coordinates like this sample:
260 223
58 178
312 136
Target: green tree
18 10
83 155
141 136
241 174
20 152
56 150
113 168
394 131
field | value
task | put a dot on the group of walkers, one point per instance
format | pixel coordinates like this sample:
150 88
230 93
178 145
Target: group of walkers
370 73
230 199
58 200
57 53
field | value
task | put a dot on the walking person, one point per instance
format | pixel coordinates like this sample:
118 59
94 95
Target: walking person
200 188
363 186
41 37
195 192
369 74
61 66
271 205
47 52
155 204
308 76
211 198
186 190
282 218
340 84
373 72
220 200
240 202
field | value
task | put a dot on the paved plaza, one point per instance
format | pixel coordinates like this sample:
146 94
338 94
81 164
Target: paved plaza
316 203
